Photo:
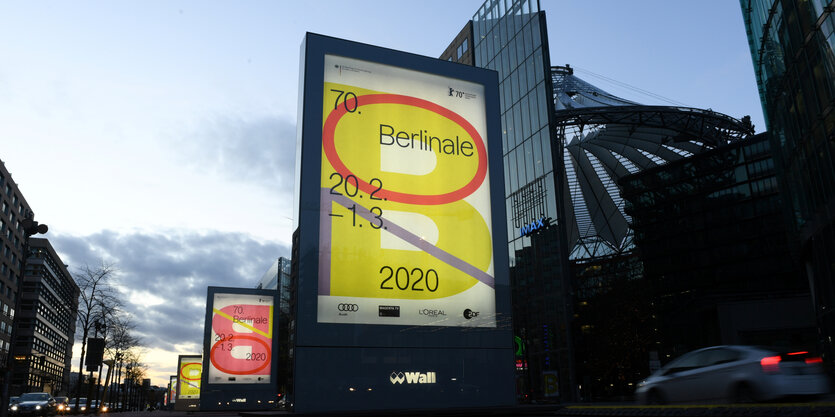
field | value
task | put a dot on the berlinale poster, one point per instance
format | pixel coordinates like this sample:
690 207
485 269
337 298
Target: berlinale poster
241 339
189 372
406 222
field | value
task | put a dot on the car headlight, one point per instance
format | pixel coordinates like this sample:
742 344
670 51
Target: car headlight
14 408
37 407
83 408
104 408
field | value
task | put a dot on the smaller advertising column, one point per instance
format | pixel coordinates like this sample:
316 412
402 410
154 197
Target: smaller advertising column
239 339
172 391
189 374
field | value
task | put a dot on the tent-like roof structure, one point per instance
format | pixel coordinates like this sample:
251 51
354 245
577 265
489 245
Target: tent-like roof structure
606 138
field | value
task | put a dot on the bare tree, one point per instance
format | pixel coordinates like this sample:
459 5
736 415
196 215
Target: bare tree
99 304
118 345
135 373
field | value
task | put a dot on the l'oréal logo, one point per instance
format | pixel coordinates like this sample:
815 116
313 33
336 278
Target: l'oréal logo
413 378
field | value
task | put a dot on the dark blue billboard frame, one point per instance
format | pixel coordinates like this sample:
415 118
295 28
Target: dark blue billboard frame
215 396
309 331
316 336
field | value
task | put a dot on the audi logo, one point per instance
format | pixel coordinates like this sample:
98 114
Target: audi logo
347 307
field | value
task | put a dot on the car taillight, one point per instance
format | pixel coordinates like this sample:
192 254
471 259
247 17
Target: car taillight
770 364
812 361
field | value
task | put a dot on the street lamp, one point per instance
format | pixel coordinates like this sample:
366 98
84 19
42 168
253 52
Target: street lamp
30 228
128 391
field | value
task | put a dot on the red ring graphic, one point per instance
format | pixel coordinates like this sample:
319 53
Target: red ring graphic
328 133
247 372
183 368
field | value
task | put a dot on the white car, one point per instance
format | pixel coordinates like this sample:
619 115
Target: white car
736 374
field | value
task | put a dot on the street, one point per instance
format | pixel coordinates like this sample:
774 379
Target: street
794 409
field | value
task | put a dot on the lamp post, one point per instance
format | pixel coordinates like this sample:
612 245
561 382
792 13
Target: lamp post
118 362
30 228
127 392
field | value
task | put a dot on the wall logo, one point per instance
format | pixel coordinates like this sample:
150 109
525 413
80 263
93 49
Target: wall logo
347 307
431 313
412 378
468 314
389 311
530 228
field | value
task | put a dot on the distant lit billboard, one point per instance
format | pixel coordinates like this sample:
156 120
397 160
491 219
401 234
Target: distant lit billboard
241 339
172 389
190 372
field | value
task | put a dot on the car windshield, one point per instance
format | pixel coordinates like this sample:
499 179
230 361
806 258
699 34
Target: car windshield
61 399
34 396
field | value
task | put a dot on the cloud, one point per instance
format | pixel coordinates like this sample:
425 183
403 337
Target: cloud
260 150
163 277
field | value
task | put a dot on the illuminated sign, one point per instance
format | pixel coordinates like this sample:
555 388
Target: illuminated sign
241 339
405 234
172 389
190 371
413 378
536 225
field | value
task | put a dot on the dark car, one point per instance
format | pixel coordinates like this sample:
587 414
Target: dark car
33 403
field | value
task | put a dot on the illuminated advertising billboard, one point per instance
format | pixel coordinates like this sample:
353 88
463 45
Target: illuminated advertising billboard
239 339
187 385
405 235
172 389
402 276
190 371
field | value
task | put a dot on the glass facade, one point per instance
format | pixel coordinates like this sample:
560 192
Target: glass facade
792 46
711 235
279 278
510 37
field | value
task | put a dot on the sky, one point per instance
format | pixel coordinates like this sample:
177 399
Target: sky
159 135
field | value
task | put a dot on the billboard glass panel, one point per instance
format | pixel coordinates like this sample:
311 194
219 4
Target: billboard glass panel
172 389
405 233
241 339
190 372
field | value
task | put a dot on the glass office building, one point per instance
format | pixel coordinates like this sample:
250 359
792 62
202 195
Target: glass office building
279 278
566 141
712 238
792 45
511 38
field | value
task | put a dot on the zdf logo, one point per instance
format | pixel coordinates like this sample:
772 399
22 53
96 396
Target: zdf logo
347 307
